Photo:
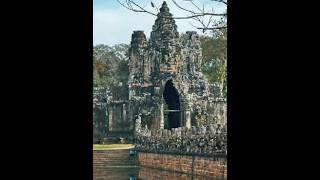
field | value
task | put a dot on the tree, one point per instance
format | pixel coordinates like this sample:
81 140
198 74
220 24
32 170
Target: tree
214 49
205 18
110 65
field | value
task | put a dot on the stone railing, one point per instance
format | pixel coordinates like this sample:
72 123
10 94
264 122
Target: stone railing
204 140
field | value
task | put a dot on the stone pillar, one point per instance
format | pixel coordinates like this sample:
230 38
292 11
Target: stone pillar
161 117
106 123
110 119
157 116
138 124
124 116
188 118
124 112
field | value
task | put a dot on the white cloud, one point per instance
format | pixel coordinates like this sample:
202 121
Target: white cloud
114 26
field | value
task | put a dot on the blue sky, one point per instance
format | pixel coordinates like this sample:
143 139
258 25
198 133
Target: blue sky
114 24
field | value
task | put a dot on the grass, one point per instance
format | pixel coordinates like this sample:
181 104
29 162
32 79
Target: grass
112 146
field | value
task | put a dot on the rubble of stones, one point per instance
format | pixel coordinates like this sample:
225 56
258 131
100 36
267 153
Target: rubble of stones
202 140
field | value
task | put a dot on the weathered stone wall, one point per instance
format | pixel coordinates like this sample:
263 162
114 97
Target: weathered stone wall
216 113
167 56
99 114
110 111
117 109
117 116
214 167
204 140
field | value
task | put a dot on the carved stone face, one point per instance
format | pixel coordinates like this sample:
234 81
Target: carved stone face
166 55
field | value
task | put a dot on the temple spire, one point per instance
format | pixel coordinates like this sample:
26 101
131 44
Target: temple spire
164 7
164 28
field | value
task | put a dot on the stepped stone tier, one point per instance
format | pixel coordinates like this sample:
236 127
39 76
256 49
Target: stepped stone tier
166 88
110 158
114 164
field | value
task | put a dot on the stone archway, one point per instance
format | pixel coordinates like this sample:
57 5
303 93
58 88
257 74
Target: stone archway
172 109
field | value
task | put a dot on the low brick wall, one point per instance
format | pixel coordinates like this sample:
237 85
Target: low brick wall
196 165
146 173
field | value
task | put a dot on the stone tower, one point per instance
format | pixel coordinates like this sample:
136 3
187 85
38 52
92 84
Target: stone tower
166 87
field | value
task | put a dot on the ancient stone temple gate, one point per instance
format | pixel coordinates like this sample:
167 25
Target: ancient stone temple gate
166 88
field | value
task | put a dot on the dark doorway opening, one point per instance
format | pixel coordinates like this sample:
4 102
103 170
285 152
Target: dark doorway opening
171 97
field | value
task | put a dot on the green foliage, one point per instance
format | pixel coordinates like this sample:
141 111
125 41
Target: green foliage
110 65
214 49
